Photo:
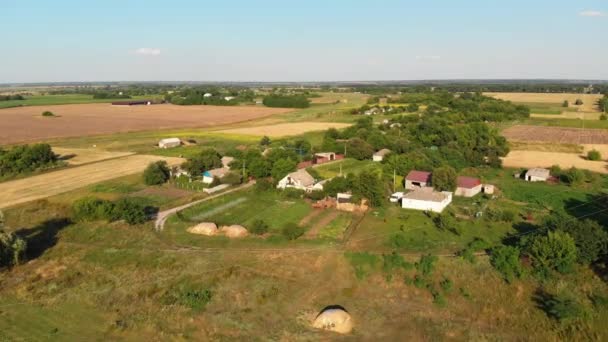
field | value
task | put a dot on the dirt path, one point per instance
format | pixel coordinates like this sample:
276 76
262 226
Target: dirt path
324 221
162 216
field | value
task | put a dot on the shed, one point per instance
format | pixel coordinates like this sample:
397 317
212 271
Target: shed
226 160
426 199
379 156
467 186
417 179
169 142
537 175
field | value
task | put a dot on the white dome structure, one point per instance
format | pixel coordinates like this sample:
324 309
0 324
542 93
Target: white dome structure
204 228
234 231
334 318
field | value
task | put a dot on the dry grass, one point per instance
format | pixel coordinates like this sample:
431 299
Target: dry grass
589 100
24 124
286 129
79 156
569 115
560 135
57 182
545 147
527 159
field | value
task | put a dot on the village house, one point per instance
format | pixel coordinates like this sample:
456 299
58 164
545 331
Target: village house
467 186
537 175
301 180
426 199
379 156
209 175
169 142
417 179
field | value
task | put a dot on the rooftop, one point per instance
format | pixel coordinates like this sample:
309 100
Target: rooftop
538 172
382 152
467 182
419 176
426 194
303 177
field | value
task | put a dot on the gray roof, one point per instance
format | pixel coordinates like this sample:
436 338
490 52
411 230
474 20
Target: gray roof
382 152
426 194
538 172
303 177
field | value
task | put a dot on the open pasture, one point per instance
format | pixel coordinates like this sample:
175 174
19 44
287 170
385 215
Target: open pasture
560 135
285 129
57 182
24 124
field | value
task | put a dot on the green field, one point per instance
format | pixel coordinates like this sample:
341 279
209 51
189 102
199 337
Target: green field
47 100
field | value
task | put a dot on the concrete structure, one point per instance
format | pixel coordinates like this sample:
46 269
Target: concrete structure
208 176
169 143
417 179
226 161
301 180
426 199
488 189
467 186
537 175
379 156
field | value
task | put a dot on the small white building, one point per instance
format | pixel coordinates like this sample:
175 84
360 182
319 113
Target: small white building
208 176
426 199
379 156
301 180
417 179
229 98
207 95
537 175
226 160
169 142
467 186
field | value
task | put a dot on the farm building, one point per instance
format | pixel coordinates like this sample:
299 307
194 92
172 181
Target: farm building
426 199
207 95
379 156
324 157
417 179
169 142
537 175
467 186
301 180
208 176
226 160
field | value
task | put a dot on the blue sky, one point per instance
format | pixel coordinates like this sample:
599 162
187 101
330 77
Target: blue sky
312 40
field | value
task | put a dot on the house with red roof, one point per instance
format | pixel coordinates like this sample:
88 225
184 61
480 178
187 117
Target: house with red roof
467 186
417 179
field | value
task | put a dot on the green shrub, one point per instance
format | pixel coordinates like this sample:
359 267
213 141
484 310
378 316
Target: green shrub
426 264
391 262
157 173
259 227
92 209
292 231
292 193
232 178
195 299
553 251
12 249
362 262
131 210
505 260
562 308
594 155
473 247
446 285
603 117
47 113
263 185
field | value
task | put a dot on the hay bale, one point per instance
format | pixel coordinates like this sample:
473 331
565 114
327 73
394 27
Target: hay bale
334 318
204 228
234 231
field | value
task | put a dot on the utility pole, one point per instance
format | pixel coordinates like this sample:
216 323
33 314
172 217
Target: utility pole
394 179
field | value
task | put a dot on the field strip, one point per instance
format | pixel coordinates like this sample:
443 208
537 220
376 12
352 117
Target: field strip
285 129
79 156
528 159
57 182
560 135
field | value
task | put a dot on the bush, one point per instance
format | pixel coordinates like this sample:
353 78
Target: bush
231 178
263 185
259 227
292 193
292 231
131 210
362 262
553 251
195 299
446 285
474 246
562 308
594 155
12 249
603 117
26 158
565 104
426 264
47 113
316 195
92 209
157 173
393 261
505 260
578 102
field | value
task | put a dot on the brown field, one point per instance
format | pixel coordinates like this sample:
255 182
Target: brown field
57 182
23 124
527 159
79 156
589 100
558 135
286 129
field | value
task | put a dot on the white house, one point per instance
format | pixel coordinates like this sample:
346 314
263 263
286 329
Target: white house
537 175
426 199
208 176
301 180
229 98
467 186
169 142
379 156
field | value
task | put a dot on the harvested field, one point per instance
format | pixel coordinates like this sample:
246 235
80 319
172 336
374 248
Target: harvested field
57 182
79 156
559 135
528 159
24 124
589 100
569 115
286 129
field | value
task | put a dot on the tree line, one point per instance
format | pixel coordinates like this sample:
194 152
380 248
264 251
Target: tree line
27 158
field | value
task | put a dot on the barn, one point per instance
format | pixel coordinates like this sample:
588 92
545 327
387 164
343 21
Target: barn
467 186
417 179
169 142
426 199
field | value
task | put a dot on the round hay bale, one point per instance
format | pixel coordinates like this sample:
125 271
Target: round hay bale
204 228
234 231
334 318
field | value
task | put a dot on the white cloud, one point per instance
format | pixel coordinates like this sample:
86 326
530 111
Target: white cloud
591 14
428 58
147 51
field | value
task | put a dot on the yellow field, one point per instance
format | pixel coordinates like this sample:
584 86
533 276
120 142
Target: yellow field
286 129
79 156
57 182
589 100
528 159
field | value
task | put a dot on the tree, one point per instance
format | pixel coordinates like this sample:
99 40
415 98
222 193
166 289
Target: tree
259 227
553 251
259 168
573 176
231 178
157 173
359 149
12 249
207 159
281 168
590 238
265 141
444 178
565 104
594 155
578 102
131 210
292 231
369 186
505 260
